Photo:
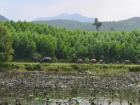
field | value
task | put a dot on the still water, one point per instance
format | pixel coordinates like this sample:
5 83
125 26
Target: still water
39 88
83 97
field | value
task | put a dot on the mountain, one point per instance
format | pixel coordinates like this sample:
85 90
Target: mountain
70 24
64 16
2 18
123 25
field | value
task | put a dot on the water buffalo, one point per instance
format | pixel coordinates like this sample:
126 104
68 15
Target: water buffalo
101 61
127 61
93 61
117 62
46 60
79 60
138 61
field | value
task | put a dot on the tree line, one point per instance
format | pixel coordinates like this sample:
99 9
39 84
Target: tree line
26 40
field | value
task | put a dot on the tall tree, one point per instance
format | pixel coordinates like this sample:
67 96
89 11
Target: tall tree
6 51
24 45
97 24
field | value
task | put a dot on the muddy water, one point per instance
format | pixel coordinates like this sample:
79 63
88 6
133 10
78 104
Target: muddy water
40 88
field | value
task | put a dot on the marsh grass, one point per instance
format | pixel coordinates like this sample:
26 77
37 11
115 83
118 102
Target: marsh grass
71 67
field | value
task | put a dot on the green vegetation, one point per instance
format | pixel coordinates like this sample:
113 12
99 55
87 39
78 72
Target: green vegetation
36 40
123 25
99 69
6 50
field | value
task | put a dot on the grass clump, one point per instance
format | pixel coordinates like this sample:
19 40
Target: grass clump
134 69
32 67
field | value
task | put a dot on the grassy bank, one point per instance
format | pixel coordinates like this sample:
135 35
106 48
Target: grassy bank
72 67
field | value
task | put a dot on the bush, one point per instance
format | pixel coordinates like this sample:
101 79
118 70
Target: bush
37 55
87 60
75 66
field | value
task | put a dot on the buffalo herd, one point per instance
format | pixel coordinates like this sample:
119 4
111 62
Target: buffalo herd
79 61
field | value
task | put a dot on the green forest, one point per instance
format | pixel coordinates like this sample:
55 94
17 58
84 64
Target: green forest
23 41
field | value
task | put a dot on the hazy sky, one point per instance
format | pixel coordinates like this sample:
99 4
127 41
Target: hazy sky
103 9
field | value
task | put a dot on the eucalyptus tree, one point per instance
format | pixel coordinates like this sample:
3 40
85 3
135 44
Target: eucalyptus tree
97 24
6 51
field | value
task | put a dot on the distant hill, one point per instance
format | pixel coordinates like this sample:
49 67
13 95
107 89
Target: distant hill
70 24
2 18
65 16
123 25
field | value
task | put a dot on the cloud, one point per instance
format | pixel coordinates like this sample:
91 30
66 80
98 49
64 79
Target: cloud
103 9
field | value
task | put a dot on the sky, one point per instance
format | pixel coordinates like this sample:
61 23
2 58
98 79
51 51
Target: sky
105 10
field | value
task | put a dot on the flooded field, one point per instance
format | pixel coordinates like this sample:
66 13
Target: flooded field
64 88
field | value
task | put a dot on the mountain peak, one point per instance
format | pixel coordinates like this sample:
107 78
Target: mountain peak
66 16
2 18
76 14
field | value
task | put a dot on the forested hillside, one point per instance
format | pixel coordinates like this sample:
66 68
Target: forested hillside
69 24
37 40
123 25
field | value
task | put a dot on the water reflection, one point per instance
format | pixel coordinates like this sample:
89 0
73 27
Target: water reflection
68 97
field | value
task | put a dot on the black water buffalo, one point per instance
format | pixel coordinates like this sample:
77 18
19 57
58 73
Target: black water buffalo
46 60
93 61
